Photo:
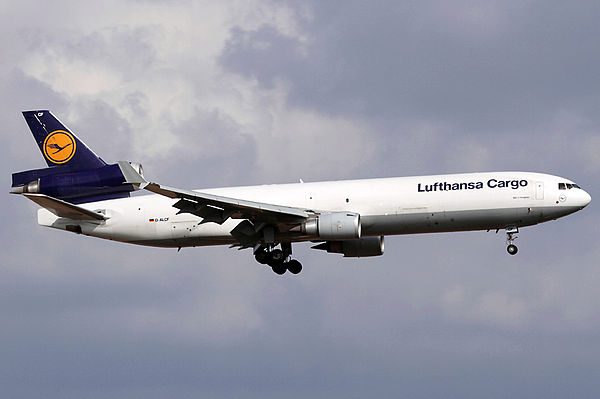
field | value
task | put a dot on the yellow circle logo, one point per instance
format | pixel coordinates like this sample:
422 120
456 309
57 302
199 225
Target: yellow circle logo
59 146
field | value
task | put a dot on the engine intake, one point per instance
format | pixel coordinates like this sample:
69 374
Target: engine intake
359 248
335 226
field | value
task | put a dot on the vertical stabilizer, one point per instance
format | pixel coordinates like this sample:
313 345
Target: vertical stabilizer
59 146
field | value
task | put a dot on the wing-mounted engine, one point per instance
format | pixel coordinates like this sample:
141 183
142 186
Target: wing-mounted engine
334 226
358 248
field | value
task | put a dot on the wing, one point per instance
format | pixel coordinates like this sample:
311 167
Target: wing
217 209
64 209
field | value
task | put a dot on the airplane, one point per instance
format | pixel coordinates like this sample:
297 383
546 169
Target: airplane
80 193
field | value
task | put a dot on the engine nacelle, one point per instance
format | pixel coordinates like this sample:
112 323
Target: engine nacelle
359 248
334 226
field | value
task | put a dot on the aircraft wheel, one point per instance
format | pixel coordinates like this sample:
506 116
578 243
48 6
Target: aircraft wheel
512 249
277 256
262 257
279 268
294 266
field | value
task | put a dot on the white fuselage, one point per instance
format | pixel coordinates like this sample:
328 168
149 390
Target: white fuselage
403 205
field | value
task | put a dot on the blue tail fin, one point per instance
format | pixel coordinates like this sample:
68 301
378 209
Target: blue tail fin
59 146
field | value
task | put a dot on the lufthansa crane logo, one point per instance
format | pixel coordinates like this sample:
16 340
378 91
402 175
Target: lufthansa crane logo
59 146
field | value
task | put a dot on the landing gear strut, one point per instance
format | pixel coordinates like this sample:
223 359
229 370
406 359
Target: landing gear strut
278 259
510 237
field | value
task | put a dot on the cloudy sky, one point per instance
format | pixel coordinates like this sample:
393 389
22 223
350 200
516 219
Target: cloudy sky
219 93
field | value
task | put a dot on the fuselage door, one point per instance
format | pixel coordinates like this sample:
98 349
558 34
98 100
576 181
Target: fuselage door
539 190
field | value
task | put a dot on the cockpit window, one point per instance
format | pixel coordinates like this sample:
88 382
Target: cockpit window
567 186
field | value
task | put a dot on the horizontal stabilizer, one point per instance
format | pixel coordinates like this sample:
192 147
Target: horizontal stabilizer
64 209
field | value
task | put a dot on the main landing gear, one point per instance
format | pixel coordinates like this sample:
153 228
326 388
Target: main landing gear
510 237
278 259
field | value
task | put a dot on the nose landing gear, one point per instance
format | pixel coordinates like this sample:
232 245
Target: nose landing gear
510 237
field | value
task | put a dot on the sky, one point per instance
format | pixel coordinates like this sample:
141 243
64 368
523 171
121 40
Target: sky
221 93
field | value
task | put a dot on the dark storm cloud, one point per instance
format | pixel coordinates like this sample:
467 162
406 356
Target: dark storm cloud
391 60
264 54
213 151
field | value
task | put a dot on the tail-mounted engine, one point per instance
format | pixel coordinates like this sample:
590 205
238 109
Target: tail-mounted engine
106 182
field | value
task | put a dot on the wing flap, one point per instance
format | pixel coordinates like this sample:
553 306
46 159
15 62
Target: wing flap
64 209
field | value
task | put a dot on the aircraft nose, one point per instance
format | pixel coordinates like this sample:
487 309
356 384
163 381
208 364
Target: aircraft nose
586 198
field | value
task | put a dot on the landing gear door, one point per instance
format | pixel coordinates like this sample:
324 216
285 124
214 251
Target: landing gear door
539 190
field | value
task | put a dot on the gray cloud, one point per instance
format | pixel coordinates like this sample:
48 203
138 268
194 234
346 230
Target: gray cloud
399 61
403 88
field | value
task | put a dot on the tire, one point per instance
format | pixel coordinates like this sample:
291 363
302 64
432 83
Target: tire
262 257
279 268
512 249
294 266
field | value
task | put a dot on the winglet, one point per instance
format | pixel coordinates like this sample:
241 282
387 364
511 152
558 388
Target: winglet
131 175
